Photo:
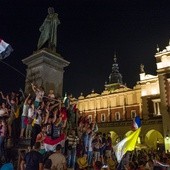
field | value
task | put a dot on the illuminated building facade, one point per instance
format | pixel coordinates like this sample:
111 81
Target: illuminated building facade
115 108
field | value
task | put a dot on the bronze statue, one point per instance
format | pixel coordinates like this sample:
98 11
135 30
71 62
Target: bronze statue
48 29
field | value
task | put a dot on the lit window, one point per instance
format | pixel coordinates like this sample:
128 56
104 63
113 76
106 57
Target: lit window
156 106
103 118
133 114
117 116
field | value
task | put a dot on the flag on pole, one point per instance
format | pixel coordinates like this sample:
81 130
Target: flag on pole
5 49
136 123
127 144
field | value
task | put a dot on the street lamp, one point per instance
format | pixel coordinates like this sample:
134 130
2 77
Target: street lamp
167 134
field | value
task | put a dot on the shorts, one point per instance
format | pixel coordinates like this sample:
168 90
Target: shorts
101 151
96 155
29 127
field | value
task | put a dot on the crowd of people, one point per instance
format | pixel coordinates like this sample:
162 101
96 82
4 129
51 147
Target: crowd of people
60 137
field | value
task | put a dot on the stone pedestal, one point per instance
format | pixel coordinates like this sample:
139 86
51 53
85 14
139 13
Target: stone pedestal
45 68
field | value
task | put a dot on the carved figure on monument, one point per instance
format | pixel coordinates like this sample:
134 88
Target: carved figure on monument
48 36
142 68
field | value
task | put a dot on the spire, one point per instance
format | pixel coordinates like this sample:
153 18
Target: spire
115 76
115 57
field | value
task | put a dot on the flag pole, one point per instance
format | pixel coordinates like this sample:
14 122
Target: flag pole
13 68
22 75
16 70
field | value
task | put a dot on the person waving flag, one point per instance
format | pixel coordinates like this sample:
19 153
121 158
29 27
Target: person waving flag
5 49
128 143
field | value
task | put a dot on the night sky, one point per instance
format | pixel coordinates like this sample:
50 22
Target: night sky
89 34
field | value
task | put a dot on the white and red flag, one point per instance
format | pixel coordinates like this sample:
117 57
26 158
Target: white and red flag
5 49
50 144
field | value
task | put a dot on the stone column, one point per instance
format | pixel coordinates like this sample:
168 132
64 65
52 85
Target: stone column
45 68
163 70
145 108
164 110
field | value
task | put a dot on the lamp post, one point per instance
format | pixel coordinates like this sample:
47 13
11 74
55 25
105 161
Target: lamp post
167 134
167 141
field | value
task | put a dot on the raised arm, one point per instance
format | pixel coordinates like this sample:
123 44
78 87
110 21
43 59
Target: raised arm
26 100
55 115
20 90
46 116
34 88
2 95
53 106
22 165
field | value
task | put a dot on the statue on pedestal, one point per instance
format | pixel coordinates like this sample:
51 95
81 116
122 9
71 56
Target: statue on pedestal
48 29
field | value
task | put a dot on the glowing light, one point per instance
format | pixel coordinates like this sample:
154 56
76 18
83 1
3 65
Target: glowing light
144 92
154 91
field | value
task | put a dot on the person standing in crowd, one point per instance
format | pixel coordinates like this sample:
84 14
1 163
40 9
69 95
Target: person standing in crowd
21 156
47 164
71 152
96 147
39 92
33 160
103 147
24 116
58 159
85 138
36 126
3 129
3 110
40 138
149 165
90 149
51 95
30 120
108 146
13 107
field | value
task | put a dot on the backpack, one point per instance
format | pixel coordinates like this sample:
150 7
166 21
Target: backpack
56 132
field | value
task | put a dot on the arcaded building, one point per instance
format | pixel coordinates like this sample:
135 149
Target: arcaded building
115 108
